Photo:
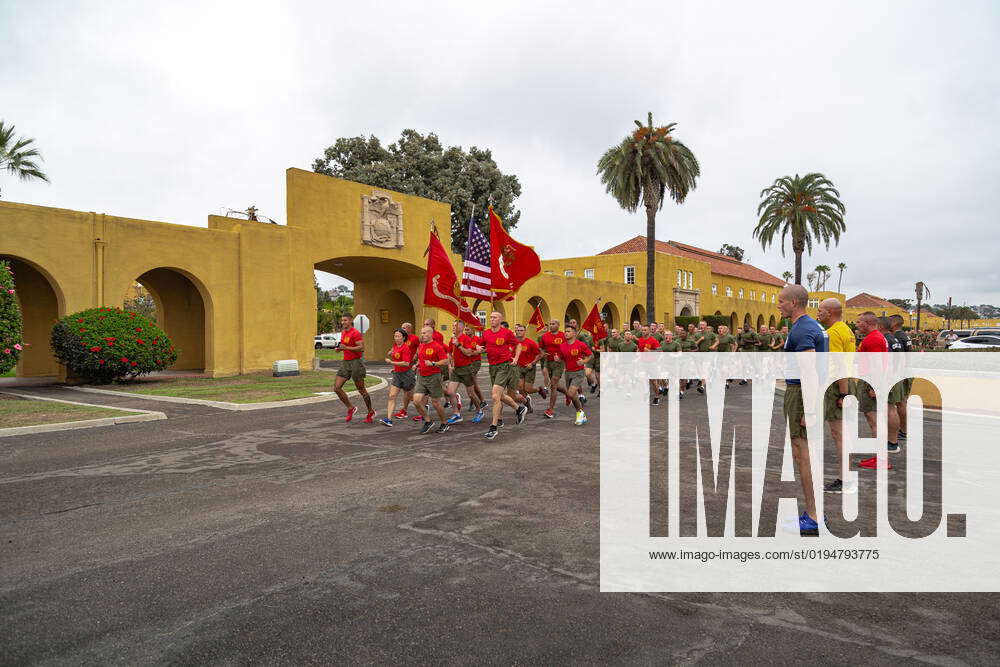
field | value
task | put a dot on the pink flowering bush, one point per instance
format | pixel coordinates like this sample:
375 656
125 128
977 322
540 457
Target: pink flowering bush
103 345
11 325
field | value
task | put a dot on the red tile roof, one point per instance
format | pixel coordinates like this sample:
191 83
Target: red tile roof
866 300
721 264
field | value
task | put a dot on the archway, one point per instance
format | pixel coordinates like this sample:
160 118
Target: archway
760 322
747 322
180 308
734 322
611 315
393 308
718 313
575 311
529 308
686 311
42 305
638 314
771 321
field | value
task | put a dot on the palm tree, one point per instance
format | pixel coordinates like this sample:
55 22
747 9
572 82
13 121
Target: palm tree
787 275
810 278
840 266
807 207
17 157
643 167
823 272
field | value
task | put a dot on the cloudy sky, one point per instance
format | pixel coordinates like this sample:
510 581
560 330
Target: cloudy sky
173 111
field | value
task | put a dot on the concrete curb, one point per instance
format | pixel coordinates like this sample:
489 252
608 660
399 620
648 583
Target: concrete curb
237 407
142 416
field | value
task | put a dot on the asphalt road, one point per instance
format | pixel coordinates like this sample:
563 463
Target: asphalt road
288 536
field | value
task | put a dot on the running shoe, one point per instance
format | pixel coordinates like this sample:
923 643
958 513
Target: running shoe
663 391
499 423
743 383
701 389
893 447
401 414
492 433
871 463
350 414
478 417
527 404
579 418
385 421
656 401
370 418
519 414
443 428
417 418
808 525
549 414
593 388
838 486
454 419
484 405
426 428
584 417
544 393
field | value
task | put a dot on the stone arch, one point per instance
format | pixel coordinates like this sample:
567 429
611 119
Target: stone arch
686 311
612 316
184 312
760 322
42 303
771 321
734 321
718 313
393 307
575 310
747 321
529 308
638 313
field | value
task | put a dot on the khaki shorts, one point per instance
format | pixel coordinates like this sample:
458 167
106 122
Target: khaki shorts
429 385
528 373
504 375
898 392
475 366
405 380
595 363
555 368
794 410
444 374
832 411
865 402
353 369
574 378
464 374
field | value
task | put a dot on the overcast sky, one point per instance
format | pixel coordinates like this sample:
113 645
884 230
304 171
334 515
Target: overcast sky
173 111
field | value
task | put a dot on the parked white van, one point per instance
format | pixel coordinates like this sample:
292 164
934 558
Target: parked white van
327 340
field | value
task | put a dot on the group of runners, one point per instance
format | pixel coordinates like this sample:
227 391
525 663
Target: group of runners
429 372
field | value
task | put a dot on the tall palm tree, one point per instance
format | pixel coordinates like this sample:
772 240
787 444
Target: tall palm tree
840 266
806 207
822 273
642 168
810 278
787 275
17 157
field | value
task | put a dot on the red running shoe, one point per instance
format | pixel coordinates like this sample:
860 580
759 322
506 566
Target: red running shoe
417 418
549 414
400 414
350 414
370 419
872 464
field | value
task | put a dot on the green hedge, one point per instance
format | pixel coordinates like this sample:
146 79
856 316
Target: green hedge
11 325
714 320
102 345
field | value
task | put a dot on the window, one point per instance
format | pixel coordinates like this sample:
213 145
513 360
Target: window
772 298
588 273
763 296
715 289
741 293
753 295
630 275
813 303
729 291
481 314
680 282
568 273
690 277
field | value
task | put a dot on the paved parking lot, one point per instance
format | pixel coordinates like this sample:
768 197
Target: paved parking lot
289 536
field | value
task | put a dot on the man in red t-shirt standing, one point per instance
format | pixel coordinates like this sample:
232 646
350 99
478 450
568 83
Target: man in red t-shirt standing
464 352
502 350
352 368
431 358
526 365
576 354
874 341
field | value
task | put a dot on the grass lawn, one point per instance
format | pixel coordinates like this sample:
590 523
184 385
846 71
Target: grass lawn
250 388
324 353
9 374
16 411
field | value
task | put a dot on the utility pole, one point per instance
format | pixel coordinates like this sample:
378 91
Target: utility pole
949 313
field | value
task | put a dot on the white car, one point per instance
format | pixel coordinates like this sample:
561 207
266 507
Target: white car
327 340
976 343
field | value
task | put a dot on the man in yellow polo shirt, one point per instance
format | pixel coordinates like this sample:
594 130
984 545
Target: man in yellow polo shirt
841 340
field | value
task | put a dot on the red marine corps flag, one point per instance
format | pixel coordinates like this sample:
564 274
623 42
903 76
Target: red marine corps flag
536 319
442 289
511 263
595 325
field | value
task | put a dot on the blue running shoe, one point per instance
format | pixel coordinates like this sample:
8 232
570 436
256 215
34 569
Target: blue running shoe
454 419
478 418
385 421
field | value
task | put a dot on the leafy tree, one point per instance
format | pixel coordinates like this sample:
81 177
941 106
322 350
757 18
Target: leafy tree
787 275
642 169
905 304
420 165
808 208
11 342
841 266
18 157
733 251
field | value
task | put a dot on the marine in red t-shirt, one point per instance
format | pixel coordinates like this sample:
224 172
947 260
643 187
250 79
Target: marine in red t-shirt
529 352
500 345
573 353
401 356
353 338
432 351
648 344
551 341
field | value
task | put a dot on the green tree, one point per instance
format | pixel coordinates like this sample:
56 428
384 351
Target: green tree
420 165
841 266
787 275
641 169
808 208
733 251
18 157
905 304
11 342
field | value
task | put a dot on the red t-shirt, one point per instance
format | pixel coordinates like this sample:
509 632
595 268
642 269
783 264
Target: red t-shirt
461 359
351 337
529 352
401 356
500 345
647 344
573 353
874 342
433 351
413 342
551 342
438 337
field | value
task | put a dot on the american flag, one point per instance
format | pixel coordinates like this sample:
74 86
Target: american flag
476 267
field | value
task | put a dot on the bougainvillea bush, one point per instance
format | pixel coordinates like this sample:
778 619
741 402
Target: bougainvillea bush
11 327
103 345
